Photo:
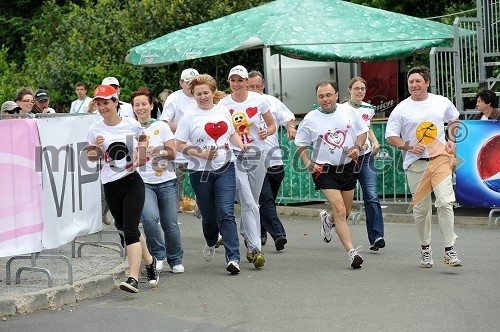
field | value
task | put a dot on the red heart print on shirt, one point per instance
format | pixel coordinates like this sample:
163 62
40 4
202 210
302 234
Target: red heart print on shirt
216 130
336 139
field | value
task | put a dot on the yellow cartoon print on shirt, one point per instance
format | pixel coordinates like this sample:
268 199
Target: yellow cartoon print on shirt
242 125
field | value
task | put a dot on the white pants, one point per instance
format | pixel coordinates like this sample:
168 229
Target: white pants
423 178
250 174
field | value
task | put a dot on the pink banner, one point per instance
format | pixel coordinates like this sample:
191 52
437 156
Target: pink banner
21 222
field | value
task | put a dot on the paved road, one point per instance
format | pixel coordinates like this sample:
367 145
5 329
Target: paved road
308 287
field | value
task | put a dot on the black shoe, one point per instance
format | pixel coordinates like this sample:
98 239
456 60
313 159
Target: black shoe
152 274
280 242
379 244
130 285
263 240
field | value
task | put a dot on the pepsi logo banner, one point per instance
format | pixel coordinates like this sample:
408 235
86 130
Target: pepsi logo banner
478 174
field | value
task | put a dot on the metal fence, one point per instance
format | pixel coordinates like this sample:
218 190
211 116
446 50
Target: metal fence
457 72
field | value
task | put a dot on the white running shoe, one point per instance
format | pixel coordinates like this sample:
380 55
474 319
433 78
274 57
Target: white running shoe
451 258
179 268
326 229
354 257
426 258
208 252
159 264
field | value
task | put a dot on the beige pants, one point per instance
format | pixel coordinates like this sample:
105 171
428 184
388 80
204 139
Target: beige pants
423 178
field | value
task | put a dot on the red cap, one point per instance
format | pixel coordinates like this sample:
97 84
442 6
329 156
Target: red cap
105 92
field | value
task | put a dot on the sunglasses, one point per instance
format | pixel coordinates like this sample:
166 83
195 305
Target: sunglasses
14 111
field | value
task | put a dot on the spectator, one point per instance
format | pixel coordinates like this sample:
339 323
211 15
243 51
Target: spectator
486 105
81 104
10 107
42 101
25 98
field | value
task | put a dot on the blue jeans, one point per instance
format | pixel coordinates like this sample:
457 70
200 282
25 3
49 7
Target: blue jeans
368 180
269 220
215 194
161 205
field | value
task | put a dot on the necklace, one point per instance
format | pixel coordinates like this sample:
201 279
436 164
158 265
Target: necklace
360 105
148 122
316 107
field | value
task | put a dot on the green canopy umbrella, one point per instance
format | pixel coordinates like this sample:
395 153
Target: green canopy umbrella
316 30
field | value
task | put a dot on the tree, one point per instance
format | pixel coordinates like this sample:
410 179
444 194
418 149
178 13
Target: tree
87 43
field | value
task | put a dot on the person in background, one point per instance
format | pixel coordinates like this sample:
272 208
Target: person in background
10 107
25 98
163 96
417 126
121 144
337 133
203 135
486 105
125 109
269 220
42 101
253 121
81 104
367 175
176 104
160 205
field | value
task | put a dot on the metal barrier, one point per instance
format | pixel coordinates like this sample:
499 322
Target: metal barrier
35 256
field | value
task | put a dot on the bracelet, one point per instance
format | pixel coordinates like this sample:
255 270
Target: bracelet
291 126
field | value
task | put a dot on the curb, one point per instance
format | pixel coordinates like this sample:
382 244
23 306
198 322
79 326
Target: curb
56 297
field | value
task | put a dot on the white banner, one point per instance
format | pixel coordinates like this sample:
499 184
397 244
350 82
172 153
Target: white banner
71 185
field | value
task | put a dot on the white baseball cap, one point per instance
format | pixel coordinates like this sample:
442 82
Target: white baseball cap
188 74
110 81
238 70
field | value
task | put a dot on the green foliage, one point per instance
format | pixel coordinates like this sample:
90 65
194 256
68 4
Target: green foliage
70 43
53 44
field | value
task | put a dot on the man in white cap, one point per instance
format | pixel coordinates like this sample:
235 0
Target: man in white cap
176 105
125 109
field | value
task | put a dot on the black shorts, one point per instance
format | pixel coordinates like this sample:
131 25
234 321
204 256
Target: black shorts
339 177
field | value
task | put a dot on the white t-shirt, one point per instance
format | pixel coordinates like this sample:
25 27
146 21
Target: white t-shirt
120 145
281 115
207 128
126 110
424 118
247 119
157 169
80 106
366 111
331 134
176 105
